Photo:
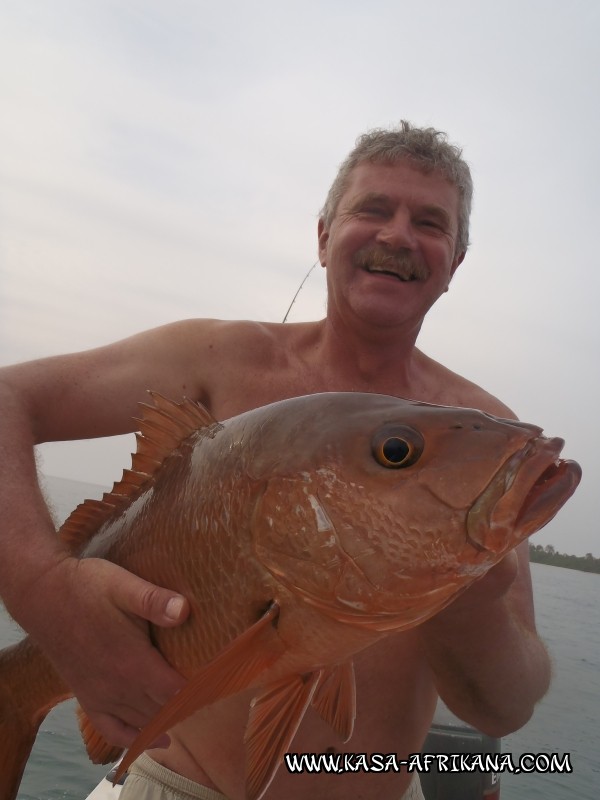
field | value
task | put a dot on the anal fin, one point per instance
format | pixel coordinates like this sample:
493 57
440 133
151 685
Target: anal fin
275 715
235 668
335 698
98 749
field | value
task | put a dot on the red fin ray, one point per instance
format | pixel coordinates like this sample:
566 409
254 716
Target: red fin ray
98 749
163 427
335 698
275 715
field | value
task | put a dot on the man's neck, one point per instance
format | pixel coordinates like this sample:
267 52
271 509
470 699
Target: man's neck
370 358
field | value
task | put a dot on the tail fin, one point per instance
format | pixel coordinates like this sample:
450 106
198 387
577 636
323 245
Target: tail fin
29 688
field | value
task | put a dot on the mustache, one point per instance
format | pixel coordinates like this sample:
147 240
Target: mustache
399 263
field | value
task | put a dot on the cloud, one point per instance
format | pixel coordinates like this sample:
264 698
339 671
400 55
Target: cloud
161 162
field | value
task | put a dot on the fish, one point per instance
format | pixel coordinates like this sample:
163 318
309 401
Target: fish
301 532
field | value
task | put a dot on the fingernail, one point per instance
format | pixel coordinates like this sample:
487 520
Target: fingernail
174 607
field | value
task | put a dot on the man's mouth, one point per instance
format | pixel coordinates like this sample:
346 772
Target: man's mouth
402 266
404 277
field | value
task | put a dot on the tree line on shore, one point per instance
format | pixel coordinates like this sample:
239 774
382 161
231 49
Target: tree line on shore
548 555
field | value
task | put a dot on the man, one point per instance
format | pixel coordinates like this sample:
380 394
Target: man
392 233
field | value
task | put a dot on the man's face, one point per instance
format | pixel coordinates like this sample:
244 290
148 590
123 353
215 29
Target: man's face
390 249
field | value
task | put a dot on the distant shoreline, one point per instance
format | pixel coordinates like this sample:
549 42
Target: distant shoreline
548 555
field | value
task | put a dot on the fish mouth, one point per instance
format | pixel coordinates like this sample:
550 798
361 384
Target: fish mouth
547 495
523 496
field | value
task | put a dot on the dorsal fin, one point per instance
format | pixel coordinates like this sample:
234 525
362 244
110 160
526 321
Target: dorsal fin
163 427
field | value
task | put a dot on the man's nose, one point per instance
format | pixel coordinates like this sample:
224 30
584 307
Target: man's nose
397 233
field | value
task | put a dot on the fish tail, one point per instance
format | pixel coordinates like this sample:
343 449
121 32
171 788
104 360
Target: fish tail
29 688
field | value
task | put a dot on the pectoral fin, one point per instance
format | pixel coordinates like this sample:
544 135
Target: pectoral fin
335 698
235 668
275 715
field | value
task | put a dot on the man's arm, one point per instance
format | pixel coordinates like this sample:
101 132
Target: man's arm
490 667
90 616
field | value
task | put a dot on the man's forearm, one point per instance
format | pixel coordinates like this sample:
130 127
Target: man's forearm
489 664
28 543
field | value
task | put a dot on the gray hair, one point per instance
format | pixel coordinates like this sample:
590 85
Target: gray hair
426 148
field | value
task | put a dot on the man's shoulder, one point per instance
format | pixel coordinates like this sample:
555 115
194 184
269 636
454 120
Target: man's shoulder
248 338
241 327
215 352
233 365
456 390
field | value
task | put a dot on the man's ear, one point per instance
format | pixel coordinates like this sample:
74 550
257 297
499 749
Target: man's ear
457 262
323 238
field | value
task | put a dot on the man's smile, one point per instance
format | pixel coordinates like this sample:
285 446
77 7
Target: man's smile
400 265
391 273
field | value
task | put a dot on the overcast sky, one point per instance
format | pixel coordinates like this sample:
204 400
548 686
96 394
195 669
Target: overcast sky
164 160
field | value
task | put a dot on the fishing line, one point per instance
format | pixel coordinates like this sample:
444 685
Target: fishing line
298 290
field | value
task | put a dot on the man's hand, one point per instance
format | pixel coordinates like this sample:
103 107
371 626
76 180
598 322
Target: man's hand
92 618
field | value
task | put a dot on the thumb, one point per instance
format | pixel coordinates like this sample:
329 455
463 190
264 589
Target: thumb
153 603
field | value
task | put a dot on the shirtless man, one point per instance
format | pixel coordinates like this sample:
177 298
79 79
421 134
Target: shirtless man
392 233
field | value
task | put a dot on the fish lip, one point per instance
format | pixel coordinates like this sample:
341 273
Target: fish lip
552 488
523 496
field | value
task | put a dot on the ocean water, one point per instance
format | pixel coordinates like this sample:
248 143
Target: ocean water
568 718
566 721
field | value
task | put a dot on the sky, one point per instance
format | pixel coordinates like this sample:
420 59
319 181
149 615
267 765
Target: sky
161 161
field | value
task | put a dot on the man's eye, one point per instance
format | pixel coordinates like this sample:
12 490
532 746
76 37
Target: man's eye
377 211
431 223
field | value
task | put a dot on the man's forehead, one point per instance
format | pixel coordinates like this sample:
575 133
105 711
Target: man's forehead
400 178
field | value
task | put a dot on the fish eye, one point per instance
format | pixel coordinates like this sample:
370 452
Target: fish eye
396 448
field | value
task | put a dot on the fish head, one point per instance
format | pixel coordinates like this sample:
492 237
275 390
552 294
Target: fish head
379 510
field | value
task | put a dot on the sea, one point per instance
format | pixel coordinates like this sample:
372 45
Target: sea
567 721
